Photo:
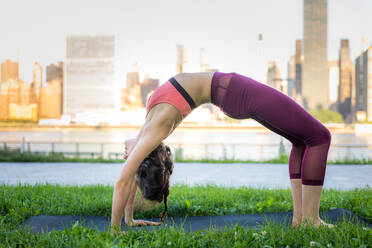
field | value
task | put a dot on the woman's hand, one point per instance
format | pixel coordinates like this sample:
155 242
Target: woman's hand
129 144
142 223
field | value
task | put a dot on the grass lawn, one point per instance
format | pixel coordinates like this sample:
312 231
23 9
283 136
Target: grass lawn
17 203
16 156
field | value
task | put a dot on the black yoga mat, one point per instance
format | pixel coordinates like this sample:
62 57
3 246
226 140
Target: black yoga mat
44 223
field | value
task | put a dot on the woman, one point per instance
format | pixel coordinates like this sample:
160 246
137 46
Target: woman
239 97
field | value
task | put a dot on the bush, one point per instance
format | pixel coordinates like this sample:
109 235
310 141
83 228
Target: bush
326 116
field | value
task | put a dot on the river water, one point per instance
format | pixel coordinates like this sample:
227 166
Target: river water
191 143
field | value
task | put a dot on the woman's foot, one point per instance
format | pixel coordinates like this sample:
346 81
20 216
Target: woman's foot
129 144
310 206
295 223
316 222
326 224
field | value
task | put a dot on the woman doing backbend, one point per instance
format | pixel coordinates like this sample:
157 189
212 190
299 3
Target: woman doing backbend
238 97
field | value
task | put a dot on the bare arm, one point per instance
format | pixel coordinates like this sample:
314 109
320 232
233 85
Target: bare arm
151 136
130 204
129 209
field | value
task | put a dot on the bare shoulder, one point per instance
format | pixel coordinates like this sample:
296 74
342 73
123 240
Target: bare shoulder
163 116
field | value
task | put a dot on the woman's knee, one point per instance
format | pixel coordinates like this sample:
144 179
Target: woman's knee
323 136
326 135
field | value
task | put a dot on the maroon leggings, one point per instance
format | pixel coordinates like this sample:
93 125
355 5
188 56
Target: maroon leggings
241 97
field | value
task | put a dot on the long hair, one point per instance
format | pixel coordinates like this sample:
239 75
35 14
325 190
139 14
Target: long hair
153 176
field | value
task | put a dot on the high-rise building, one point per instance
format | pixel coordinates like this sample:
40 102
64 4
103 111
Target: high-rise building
9 70
363 79
298 62
54 71
294 85
37 79
180 58
132 99
315 86
23 112
345 80
291 76
14 90
4 105
133 78
147 87
90 75
4 100
16 101
50 99
273 76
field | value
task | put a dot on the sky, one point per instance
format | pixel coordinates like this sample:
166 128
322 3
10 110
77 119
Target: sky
148 31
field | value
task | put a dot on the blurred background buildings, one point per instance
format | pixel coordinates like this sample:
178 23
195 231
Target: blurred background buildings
315 87
84 87
90 75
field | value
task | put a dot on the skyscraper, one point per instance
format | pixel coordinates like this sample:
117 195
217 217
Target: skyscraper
90 75
291 76
16 101
9 70
54 71
148 85
132 99
315 87
363 78
50 99
4 103
298 62
37 79
273 76
133 78
345 77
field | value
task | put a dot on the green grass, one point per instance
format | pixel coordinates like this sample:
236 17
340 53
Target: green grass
16 156
17 203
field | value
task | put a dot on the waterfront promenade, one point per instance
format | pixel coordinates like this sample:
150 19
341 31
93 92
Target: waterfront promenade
250 175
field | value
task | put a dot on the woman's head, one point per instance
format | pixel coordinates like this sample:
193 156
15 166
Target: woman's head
153 175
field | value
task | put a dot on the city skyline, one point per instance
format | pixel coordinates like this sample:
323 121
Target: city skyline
33 101
149 35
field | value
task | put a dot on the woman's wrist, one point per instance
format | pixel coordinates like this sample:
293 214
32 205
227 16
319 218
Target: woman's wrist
128 219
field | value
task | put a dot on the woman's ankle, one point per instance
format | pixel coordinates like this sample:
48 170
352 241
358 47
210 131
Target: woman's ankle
297 219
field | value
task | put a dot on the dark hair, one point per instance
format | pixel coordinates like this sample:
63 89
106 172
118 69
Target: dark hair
153 176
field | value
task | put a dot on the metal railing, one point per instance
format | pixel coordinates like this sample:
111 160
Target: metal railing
242 151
